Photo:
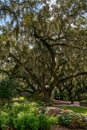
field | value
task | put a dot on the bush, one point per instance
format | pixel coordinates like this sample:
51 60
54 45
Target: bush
83 103
72 120
24 107
83 96
7 87
44 122
26 121
21 114
52 120
3 117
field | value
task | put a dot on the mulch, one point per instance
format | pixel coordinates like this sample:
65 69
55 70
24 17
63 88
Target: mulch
56 127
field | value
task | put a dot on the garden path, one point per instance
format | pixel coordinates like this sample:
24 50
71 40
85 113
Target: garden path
61 103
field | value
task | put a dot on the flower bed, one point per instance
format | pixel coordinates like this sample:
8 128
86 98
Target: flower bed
68 118
72 120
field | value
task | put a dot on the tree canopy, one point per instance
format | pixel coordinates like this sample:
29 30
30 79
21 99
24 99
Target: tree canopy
43 45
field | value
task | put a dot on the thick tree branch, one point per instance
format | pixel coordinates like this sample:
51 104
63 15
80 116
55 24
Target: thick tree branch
68 45
28 71
71 76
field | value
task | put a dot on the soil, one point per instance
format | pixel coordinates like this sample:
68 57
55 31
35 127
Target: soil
56 127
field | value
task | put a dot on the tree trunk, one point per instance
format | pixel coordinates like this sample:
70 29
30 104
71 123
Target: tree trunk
47 96
72 102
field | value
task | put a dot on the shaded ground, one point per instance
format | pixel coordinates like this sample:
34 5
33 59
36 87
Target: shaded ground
62 128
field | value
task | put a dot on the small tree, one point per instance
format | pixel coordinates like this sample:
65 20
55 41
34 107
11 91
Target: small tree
7 87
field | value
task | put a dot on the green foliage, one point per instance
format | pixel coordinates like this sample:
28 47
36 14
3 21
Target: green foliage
84 96
3 118
26 121
52 120
72 120
8 122
83 101
25 107
6 88
44 122
24 116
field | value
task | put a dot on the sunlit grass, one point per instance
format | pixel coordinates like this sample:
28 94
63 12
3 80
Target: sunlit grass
81 110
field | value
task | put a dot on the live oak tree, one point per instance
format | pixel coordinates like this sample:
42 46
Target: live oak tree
44 44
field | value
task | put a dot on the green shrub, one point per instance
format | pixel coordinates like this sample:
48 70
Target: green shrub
26 121
3 117
84 101
25 116
52 120
7 87
25 107
83 96
44 122
72 120
8 122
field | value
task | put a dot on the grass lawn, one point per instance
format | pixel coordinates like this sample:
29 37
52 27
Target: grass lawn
81 110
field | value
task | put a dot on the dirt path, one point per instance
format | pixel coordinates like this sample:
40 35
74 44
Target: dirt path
60 103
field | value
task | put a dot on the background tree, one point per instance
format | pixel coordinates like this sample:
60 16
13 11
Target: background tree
44 43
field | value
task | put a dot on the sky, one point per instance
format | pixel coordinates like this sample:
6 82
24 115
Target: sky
51 2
